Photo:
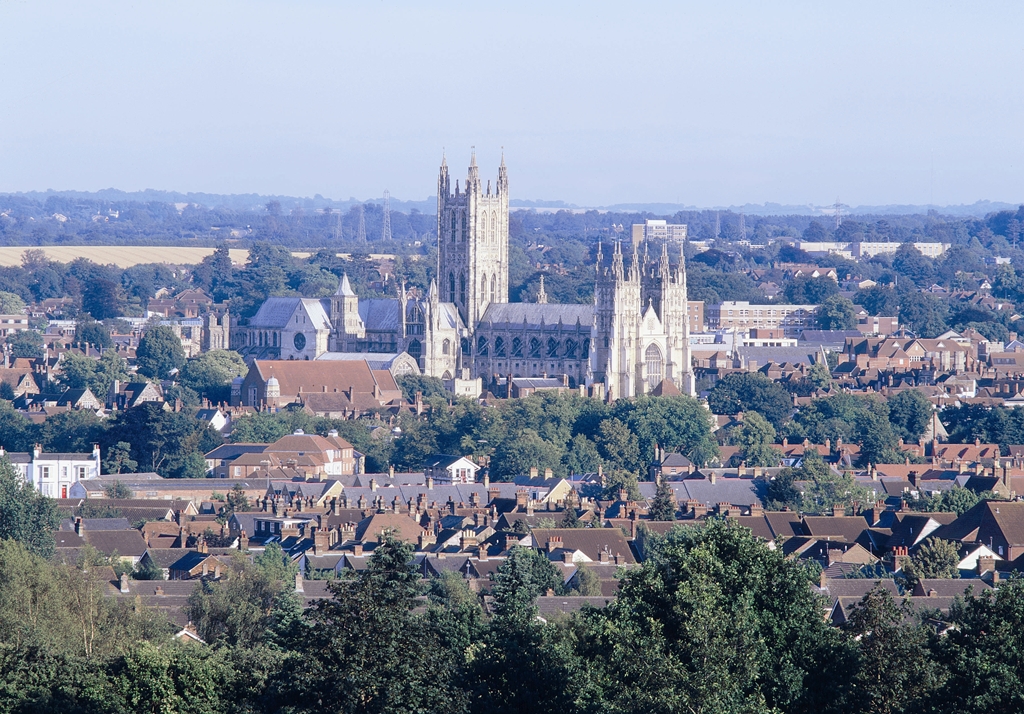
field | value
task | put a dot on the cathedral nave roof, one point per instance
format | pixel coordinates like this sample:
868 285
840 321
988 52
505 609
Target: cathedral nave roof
516 313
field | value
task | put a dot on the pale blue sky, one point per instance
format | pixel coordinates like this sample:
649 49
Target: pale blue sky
710 103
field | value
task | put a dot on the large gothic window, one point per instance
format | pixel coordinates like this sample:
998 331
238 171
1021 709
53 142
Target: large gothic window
494 288
586 348
570 349
463 225
481 346
453 225
464 344
494 227
415 350
499 346
446 347
462 288
655 366
517 347
552 347
451 287
483 288
534 347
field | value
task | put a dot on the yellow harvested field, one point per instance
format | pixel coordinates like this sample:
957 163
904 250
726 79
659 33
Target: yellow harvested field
123 256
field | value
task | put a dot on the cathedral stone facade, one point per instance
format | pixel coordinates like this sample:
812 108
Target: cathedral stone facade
632 337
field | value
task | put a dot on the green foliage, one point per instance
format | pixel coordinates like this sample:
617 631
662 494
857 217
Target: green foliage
957 500
236 500
159 352
935 558
119 459
617 481
909 412
10 303
587 582
25 515
571 519
825 489
896 673
238 610
836 313
715 622
525 574
755 437
210 374
275 564
995 425
90 332
805 290
426 386
664 506
170 443
819 375
364 650
983 655
25 343
782 491
751 391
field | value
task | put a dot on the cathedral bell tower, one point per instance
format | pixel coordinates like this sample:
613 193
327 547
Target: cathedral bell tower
348 327
472 242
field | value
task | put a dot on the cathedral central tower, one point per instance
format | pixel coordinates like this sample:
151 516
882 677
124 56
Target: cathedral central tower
472 242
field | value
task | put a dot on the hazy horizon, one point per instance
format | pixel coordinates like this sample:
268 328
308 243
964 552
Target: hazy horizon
595 104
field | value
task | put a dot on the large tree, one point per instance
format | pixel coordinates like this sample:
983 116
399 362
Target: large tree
751 391
26 515
836 313
159 353
364 651
714 621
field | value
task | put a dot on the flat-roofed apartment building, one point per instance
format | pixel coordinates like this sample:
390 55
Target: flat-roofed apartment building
741 315
659 230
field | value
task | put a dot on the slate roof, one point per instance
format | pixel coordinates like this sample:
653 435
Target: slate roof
790 355
381 314
275 313
533 314
553 605
591 541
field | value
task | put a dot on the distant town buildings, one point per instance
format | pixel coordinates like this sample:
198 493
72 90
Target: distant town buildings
658 231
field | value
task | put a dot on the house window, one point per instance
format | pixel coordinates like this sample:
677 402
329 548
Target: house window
44 472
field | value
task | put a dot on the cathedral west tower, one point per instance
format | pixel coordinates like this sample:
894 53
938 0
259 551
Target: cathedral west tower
472 245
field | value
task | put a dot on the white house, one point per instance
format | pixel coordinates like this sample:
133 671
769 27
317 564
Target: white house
54 474
450 469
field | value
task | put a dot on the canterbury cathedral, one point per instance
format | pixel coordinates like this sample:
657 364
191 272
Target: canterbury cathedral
633 339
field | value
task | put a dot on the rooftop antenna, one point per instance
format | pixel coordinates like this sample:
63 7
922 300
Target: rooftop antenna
385 233
361 230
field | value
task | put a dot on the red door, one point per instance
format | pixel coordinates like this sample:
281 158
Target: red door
63 491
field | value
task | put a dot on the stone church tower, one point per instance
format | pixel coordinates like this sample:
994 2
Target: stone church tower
641 334
472 245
